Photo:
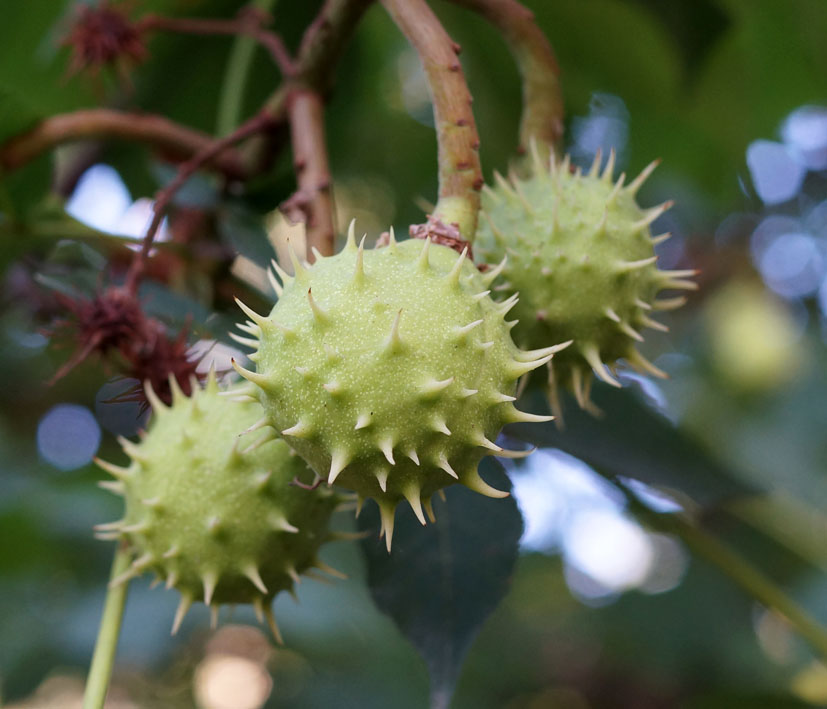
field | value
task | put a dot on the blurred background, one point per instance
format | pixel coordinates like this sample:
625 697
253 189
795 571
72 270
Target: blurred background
601 611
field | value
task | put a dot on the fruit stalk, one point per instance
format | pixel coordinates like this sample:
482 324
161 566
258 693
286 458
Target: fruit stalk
542 117
460 174
97 683
740 571
312 199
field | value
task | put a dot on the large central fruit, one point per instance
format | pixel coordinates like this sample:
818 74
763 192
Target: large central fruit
391 371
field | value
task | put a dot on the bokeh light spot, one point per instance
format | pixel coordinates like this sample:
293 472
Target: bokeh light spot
68 436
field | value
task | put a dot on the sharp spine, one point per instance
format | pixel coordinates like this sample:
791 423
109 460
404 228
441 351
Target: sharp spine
592 356
636 184
446 466
474 482
412 493
627 329
252 573
338 462
183 606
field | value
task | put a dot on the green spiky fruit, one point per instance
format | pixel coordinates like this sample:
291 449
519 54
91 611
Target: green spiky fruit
390 370
209 507
579 251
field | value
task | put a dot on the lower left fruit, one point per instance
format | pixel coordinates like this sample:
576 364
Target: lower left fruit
210 508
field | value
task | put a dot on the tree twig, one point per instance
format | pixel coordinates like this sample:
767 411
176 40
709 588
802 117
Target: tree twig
256 124
249 23
460 174
175 140
312 200
542 117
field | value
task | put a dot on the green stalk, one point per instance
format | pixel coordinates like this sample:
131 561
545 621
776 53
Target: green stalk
231 101
739 570
100 671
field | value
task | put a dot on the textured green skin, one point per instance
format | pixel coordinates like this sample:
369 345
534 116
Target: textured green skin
386 384
188 463
564 263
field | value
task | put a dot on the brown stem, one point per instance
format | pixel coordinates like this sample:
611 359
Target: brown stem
312 200
248 23
256 124
542 117
460 174
177 141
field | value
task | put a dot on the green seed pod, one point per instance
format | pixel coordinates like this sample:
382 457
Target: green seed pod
391 371
579 251
209 507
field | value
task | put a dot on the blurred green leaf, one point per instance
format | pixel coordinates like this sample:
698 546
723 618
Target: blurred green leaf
631 440
441 582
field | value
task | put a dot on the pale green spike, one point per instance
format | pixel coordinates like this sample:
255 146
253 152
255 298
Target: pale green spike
446 466
298 268
172 579
479 296
183 607
317 255
505 186
363 421
263 422
643 365
153 503
429 510
178 396
252 573
433 386
117 525
516 416
660 238
412 493
285 277
249 328
592 356
678 284
387 512
599 228
484 346
136 528
527 355
280 524
473 481
386 446
540 166
498 398
627 329
113 486
612 198
461 332
132 450
625 266
271 623
489 276
491 194
438 425
504 307
278 289
115 471
481 440
333 387
214 525
258 608
669 303
636 184
453 275
516 368
260 480
338 461
394 342
382 478
359 269
653 324
424 263
246 341
259 320
171 553
612 315
465 393
577 386
499 237
254 377
266 438
651 215
506 453
679 273
303 371
608 172
391 239
596 163
643 305
328 569
518 189
413 456
290 570
351 235
319 315
210 581
159 408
